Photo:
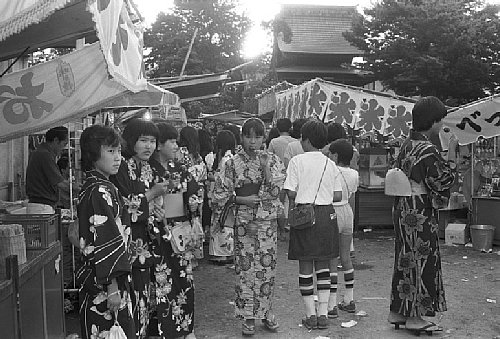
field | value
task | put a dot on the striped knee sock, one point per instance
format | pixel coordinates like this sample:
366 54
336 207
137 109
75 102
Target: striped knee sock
323 284
306 287
349 285
333 290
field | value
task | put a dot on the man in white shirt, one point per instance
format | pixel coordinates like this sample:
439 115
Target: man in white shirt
295 147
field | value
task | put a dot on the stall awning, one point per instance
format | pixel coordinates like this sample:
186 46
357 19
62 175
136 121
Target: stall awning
64 89
233 117
29 25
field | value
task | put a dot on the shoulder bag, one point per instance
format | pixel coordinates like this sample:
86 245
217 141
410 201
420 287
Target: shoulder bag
302 216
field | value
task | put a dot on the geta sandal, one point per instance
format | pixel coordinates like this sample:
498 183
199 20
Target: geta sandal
427 328
248 329
271 324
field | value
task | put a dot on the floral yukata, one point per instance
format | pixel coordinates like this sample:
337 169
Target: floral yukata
221 236
133 179
256 256
417 284
174 287
104 243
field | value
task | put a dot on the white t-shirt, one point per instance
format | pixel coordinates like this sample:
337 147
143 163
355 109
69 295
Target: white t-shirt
292 149
303 176
349 186
278 145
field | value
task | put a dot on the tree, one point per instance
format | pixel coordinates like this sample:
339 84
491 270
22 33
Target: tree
216 48
449 49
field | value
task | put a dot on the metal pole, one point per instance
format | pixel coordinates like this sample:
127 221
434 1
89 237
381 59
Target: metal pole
189 51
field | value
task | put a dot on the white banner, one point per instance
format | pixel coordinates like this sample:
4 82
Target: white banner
346 105
121 41
61 90
480 118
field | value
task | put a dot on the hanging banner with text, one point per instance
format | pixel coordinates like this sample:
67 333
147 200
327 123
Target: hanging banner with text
357 108
62 90
480 118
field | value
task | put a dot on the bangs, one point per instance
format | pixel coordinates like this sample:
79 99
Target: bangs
253 125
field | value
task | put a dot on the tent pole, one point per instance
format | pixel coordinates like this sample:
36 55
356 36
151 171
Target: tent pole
189 51
15 60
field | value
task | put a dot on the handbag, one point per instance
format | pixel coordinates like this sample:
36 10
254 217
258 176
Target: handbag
302 215
182 236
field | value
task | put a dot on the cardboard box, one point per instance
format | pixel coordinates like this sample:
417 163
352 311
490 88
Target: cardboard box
456 234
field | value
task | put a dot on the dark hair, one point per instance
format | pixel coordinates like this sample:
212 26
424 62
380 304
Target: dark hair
253 124
316 132
284 125
166 132
236 132
343 149
136 128
273 133
296 127
206 144
335 131
426 112
59 132
63 163
92 139
224 141
188 137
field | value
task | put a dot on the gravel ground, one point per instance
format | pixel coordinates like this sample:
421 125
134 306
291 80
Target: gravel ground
471 279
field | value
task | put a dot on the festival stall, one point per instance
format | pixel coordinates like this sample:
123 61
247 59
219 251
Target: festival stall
372 118
477 127
107 72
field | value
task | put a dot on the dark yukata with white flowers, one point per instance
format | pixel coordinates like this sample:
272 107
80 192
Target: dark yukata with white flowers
104 243
173 275
133 179
417 282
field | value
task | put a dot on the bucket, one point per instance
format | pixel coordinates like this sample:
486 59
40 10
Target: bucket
482 237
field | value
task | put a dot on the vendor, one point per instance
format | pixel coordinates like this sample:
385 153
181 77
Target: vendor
43 176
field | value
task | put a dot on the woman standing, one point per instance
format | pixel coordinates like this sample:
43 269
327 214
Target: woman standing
174 287
252 180
190 156
314 179
135 183
222 236
104 238
417 284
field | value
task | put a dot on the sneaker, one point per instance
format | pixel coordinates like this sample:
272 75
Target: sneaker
332 314
349 308
322 322
310 322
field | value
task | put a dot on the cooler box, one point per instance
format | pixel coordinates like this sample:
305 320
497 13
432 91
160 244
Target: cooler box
456 234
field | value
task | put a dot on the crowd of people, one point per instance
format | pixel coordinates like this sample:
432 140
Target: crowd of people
241 194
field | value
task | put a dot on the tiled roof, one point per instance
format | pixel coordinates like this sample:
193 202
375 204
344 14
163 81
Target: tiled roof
317 29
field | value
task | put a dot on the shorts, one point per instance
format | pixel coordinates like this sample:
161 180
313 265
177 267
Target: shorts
345 219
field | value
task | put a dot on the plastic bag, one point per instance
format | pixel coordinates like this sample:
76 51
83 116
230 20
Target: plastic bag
116 331
397 183
74 233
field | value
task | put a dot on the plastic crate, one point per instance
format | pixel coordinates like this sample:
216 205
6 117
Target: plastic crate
40 230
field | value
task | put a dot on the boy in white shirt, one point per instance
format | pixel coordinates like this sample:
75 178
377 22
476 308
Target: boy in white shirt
312 178
341 153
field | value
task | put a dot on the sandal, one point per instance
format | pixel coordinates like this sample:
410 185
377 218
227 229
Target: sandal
271 324
248 329
427 328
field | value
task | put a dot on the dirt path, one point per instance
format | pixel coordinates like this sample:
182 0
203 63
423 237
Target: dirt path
470 279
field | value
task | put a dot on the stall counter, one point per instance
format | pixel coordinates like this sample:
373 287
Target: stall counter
41 297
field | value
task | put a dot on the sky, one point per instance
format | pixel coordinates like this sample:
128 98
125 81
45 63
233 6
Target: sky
256 41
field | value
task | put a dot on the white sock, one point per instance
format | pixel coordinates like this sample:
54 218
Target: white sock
309 303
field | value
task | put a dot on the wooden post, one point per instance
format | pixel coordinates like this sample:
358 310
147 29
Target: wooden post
189 51
13 274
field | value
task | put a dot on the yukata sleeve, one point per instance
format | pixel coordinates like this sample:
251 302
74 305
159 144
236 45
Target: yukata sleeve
271 188
107 236
224 184
439 178
135 199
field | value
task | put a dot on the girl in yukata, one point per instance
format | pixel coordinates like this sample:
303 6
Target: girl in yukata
251 181
135 183
174 287
190 156
417 282
222 236
104 239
